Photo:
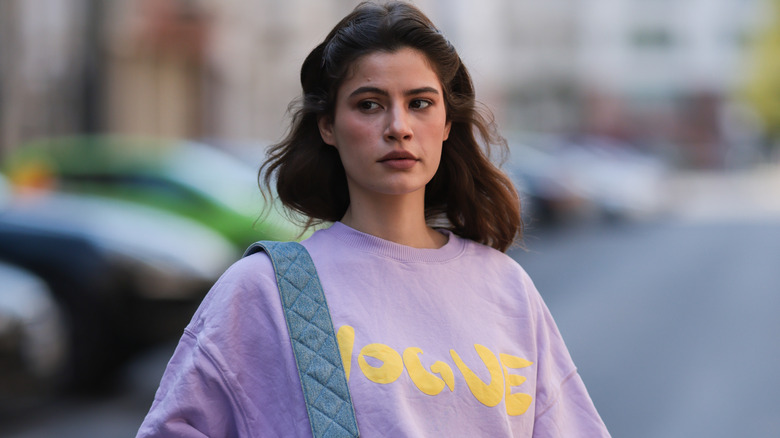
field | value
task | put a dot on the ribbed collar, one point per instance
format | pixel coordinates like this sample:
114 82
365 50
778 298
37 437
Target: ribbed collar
368 243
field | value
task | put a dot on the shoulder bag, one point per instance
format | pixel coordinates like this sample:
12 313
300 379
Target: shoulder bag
317 355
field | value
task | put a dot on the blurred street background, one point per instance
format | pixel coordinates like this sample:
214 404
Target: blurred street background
644 138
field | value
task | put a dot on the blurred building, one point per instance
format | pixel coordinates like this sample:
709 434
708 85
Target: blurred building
155 56
659 72
668 70
255 52
45 69
522 55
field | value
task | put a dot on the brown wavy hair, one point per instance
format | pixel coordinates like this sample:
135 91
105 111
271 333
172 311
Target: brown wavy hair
468 194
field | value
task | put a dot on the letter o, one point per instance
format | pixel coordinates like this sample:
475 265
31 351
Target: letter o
392 364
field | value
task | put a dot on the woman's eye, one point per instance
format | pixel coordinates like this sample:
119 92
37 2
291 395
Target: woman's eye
368 105
419 104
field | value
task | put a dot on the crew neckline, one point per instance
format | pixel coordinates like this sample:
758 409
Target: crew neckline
376 245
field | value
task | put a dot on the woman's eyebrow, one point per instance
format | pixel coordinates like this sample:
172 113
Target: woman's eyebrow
421 90
369 90
375 90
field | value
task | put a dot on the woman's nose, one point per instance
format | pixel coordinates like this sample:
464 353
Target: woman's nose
398 127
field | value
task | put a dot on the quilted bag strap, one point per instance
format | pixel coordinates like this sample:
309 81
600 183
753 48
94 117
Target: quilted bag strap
317 355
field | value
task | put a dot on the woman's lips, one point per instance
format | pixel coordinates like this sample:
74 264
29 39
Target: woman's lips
399 160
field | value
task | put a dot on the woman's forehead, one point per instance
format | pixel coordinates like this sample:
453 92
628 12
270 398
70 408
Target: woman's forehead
404 68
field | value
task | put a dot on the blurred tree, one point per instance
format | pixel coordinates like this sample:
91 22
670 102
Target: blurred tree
762 89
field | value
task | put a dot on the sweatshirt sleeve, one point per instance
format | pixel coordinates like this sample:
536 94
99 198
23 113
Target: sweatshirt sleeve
233 373
572 414
194 398
563 406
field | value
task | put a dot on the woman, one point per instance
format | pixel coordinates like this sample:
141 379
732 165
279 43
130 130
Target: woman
441 334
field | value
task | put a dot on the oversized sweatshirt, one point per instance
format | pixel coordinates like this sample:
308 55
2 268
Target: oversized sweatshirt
448 342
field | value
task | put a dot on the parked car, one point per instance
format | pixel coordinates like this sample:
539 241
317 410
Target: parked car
564 178
32 337
124 275
195 180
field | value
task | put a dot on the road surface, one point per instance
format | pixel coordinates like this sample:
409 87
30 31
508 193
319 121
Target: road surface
673 326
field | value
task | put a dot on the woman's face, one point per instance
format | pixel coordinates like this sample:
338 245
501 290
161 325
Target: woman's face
389 124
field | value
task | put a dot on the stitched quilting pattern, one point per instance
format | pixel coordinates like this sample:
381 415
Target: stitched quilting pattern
313 339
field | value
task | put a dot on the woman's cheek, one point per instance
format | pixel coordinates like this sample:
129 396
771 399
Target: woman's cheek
357 130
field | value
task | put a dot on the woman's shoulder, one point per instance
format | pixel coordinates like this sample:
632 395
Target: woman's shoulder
496 266
247 271
248 283
489 254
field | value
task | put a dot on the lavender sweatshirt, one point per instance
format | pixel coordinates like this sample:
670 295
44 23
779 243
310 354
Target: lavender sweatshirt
448 342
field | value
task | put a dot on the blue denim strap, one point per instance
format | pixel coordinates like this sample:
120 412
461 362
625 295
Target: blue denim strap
317 355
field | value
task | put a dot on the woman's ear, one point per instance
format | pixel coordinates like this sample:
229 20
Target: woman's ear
447 128
325 125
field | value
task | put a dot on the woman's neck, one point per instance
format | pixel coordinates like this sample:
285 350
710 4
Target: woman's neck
399 219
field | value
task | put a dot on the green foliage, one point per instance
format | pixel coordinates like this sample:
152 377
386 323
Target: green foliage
762 89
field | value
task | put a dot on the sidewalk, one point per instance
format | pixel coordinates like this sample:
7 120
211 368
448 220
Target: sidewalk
752 194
